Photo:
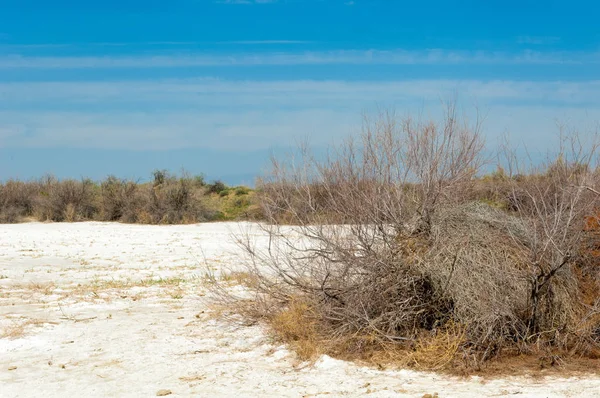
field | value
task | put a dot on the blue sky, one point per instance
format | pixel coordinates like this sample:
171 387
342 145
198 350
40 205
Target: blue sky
124 87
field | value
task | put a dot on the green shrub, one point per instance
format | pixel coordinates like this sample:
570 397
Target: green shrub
160 176
239 191
199 180
217 186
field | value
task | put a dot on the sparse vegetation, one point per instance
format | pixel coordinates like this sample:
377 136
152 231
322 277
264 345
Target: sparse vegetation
167 199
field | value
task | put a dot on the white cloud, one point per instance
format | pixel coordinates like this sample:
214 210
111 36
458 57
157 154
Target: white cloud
250 42
253 115
15 47
395 57
237 130
538 40
298 93
10 130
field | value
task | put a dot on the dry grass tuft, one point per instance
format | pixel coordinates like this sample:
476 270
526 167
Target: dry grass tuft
297 326
440 350
241 278
20 327
14 331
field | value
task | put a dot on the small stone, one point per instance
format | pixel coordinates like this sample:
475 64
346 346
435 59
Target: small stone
12 368
63 366
162 393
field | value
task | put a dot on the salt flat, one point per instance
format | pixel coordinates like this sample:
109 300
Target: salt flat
114 310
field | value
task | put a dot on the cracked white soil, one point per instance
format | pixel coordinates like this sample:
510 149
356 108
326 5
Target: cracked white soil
114 310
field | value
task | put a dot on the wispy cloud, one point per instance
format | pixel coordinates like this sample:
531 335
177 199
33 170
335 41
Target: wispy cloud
7 46
538 40
226 130
254 115
207 92
396 57
4 46
265 42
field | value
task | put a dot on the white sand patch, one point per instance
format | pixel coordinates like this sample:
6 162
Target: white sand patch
113 310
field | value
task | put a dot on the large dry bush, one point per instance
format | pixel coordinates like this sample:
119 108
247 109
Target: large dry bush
389 250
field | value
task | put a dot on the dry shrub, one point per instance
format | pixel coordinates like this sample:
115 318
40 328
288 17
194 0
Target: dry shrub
172 200
17 199
493 189
70 213
48 199
66 200
120 200
167 200
476 262
143 217
393 253
11 215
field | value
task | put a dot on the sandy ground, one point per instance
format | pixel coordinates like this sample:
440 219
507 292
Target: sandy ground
112 310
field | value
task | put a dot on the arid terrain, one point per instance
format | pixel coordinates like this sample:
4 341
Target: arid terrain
106 309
